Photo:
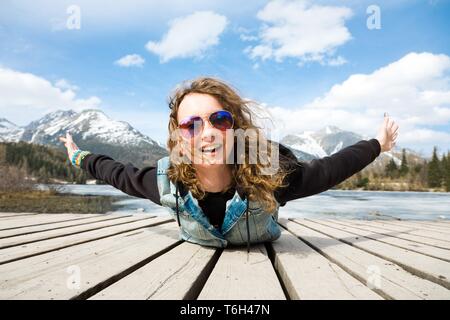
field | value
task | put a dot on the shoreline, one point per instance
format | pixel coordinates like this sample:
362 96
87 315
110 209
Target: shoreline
55 201
38 201
399 191
426 190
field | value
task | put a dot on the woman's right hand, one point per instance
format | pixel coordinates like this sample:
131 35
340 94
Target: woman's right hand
69 144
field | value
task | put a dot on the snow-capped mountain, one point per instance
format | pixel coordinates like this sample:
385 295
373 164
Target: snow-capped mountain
9 131
321 143
92 130
309 145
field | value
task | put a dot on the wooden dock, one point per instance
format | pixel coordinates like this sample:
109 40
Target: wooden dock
111 256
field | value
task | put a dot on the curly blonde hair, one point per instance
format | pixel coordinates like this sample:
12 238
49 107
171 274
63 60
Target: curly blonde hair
256 185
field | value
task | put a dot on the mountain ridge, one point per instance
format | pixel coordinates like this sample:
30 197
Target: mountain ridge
93 130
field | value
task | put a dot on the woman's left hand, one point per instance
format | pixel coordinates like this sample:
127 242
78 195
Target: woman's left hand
387 134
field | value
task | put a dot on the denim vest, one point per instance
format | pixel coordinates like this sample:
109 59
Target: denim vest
195 226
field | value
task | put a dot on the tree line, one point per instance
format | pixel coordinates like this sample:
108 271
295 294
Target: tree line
434 174
22 163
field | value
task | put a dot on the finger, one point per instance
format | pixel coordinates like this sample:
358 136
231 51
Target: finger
395 136
395 128
62 139
395 133
390 123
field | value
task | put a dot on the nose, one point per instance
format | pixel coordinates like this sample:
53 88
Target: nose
208 132
211 134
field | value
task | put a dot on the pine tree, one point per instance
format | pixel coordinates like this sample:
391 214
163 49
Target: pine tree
26 166
3 155
391 169
434 171
446 168
404 169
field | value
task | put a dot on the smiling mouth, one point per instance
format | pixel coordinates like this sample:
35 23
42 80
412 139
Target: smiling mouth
210 150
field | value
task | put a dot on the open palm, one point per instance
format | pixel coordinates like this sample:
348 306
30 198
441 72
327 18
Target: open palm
387 134
69 144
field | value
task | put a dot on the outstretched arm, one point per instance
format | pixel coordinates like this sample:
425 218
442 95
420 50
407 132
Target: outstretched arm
318 175
127 178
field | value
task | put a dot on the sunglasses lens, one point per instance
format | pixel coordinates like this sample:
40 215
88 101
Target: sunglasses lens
222 120
191 126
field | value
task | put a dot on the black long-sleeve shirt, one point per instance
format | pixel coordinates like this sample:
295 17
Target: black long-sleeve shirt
304 179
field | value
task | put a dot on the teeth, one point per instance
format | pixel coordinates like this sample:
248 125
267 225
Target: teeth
210 148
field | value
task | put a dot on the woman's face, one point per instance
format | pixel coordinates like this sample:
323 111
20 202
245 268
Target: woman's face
202 105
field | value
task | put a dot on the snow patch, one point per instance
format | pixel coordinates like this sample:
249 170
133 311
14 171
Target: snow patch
309 145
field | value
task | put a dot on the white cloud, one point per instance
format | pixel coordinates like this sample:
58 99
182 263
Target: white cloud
25 93
245 37
428 136
414 90
189 36
300 30
338 61
130 60
65 85
416 86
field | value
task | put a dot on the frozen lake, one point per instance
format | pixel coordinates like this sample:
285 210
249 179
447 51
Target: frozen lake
328 204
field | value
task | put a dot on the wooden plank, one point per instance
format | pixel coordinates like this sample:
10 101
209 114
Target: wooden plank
55 233
425 249
410 230
14 214
404 223
40 247
38 216
440 227
238 276
395 232
40 219
306 274
386 278
174 275
57 225
83 270
433 223
421 265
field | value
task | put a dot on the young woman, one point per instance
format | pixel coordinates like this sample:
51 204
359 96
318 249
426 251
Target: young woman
211 183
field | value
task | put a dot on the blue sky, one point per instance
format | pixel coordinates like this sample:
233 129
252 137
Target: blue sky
310 63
